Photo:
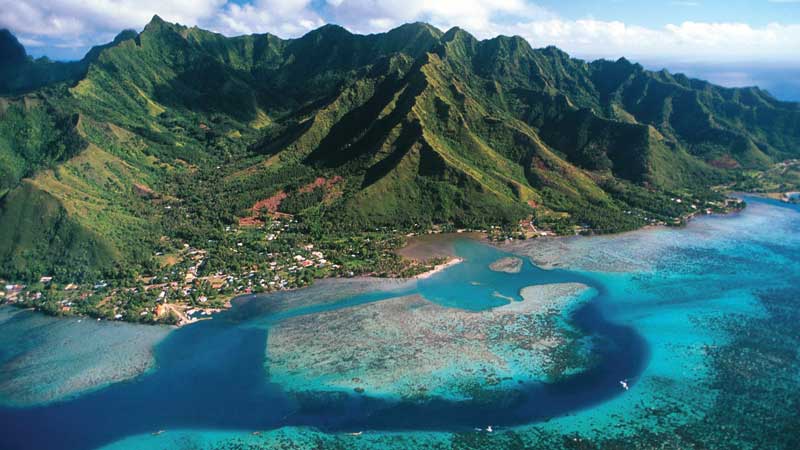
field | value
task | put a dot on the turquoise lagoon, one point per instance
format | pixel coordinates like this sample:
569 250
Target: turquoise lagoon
702 323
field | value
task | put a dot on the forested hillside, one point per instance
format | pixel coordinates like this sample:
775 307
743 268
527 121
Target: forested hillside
174 135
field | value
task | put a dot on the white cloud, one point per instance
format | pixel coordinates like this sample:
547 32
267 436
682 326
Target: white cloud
68 19
281 17
688 41
478 16
587 38
32 42
67 28
78 23
82 23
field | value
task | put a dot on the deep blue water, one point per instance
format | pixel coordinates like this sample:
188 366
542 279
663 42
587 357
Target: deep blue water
211 375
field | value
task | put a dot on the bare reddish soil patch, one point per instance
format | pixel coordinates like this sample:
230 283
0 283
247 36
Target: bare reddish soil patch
270 204
320 182
250 222
725 162
143 191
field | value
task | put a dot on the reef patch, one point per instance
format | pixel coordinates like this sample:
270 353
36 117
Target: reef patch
409 347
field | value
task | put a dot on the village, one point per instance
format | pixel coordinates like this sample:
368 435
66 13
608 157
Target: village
268 255
195 283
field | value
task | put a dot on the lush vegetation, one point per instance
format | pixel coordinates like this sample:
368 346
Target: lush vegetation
178 138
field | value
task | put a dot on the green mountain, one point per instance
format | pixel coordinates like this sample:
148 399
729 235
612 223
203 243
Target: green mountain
174 133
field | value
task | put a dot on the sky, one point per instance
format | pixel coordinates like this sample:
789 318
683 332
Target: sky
725 39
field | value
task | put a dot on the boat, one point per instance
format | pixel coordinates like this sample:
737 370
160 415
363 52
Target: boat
624 384
159 432
358 433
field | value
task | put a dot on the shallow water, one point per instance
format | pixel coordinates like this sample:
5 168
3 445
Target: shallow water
45 359
670 318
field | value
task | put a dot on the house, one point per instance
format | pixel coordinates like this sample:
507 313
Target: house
306 263
45 279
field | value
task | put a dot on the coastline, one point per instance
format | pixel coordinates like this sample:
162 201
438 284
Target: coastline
677 371
234 299
791 197
438 268
419 248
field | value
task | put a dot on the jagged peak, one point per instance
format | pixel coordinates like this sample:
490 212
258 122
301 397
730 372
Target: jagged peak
457 33
512 44
125 35
622 64
331 29
157 23
552 50
521 41
94 53
11 51
156 20
417 27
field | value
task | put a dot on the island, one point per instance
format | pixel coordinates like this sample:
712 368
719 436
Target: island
134 188
510 264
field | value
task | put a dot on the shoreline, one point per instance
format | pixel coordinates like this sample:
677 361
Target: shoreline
444 239
232 300
790 197
438 268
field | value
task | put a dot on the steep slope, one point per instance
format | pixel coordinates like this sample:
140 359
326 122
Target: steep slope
714 123
19 73
168 136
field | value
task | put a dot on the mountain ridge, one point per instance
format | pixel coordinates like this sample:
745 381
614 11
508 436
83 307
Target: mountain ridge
176 133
